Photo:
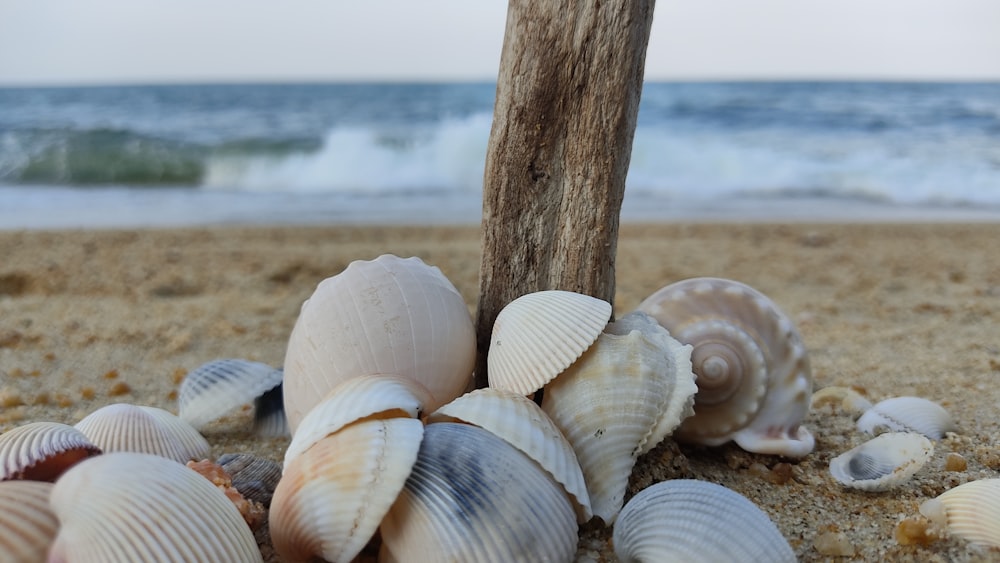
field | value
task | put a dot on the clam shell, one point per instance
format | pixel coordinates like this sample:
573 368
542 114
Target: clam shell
332 497
907 414
472 497
27 524
269 419
253 476
122 427
130 507
882 463
522 423
754 379
388 315
213 389
693 521
970 511
42 451
538 335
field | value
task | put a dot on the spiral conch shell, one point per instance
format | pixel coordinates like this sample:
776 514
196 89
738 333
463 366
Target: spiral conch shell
754 380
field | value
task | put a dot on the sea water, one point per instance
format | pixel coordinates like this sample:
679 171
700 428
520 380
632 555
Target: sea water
415 153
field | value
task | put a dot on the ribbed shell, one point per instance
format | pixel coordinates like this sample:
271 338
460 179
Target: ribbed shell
538 335
122 427
333 496
970 511
754 380
27 524
42 451
213 389
269 419
127 507
907 414
473 497
253 476
882 463
388 315
696 521
521 423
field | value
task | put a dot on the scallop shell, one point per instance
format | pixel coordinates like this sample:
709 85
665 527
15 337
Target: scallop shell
253 476
42 451
970 511
538 335
216 388
332 497
908 414
27 524
754 380
882 463
130 507
522 423
388 315
122 427
694 521
472 497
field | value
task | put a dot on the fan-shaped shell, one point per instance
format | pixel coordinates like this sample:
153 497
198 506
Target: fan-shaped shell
473 497
253 476
696 521
213 389
42 451
522 423
538 335
882 463
907 414
27 524
332 497
388 315
122 427
970 511
130 507
754 380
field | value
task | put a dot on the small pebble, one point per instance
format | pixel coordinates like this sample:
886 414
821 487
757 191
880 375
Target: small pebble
915 530
833 543
954 462
120 388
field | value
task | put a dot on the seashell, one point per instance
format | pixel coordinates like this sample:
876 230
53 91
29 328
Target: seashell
129 507
538 335
42 451
845 398
473 497
27 524
253 513
333 496
218 387
682 519
609 403
753 375
522 423
908 414
882 463
388 315
253 476
970 511
269 419
122 427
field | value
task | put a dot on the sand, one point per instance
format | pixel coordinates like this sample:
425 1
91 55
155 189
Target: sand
89 318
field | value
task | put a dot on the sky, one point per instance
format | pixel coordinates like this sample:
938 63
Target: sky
155 41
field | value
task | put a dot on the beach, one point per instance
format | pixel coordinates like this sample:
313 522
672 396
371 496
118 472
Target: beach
93 317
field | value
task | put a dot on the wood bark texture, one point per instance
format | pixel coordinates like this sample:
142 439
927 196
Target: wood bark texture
566 105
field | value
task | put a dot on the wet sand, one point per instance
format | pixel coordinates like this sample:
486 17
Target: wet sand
89 318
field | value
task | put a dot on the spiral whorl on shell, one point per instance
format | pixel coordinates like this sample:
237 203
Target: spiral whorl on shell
752 368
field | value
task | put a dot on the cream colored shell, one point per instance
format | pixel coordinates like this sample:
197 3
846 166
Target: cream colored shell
41 451
884 462
907 414
970 511
122 427
27 524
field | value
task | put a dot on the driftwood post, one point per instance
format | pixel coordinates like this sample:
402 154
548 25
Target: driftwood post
566 104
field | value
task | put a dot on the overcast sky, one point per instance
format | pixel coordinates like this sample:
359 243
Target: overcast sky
143 41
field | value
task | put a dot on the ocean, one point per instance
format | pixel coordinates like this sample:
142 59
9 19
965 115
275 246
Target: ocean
177 155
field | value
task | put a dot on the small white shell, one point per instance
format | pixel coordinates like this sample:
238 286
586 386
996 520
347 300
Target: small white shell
696 521
27 524
126 507
122 427
882 463
538 335
213 389
844 398
41 451
907 414
970 511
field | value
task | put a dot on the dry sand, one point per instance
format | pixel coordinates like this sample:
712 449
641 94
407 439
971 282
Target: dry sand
89 318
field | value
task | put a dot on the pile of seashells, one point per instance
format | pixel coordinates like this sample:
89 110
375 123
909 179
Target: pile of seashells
394 455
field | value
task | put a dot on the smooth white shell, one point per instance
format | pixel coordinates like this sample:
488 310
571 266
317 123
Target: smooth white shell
538 335
696 521
27 524
970 511
42 450
389 315
122 427
215 388
907 414
882 463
